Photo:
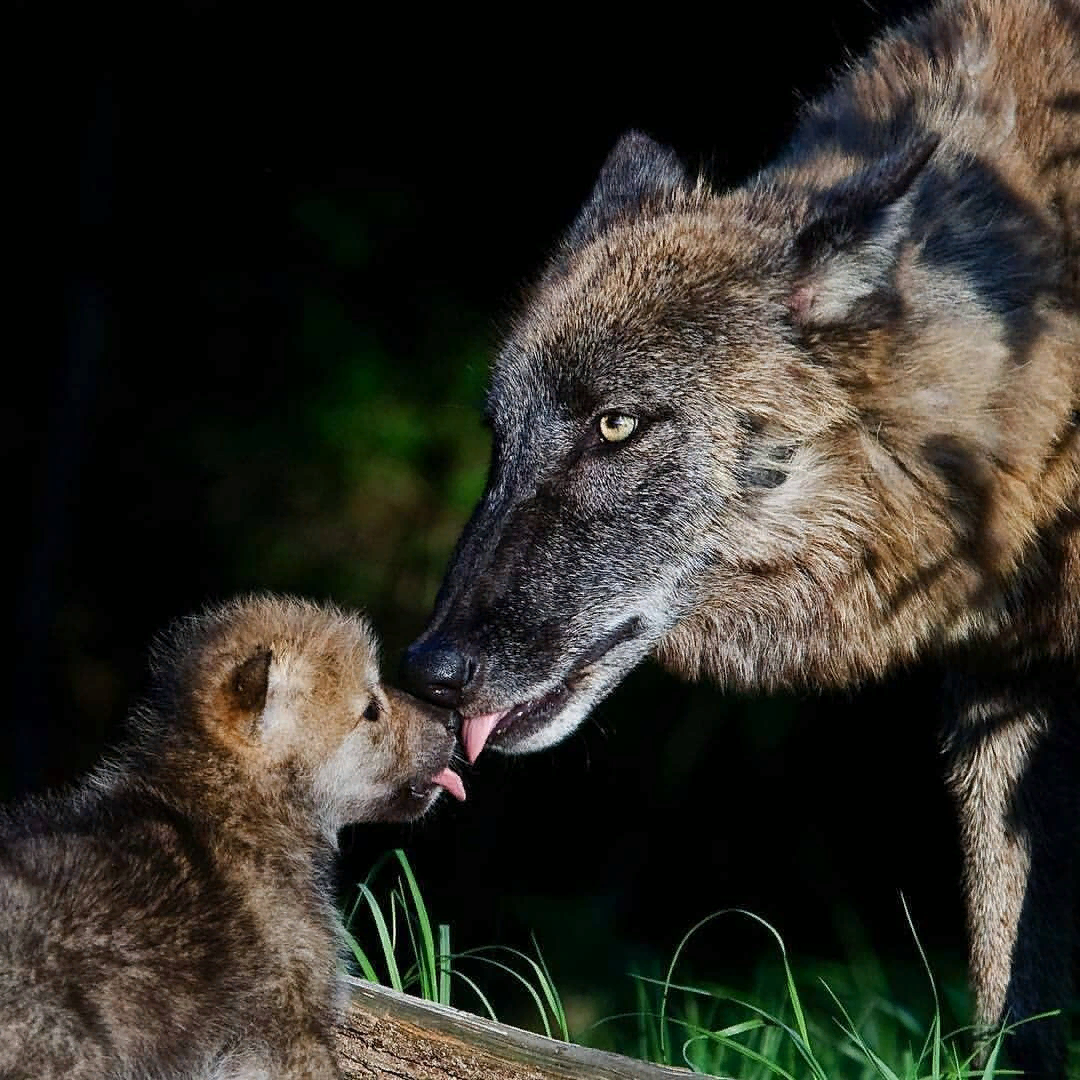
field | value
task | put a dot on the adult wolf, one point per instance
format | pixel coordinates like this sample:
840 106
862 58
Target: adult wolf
806 430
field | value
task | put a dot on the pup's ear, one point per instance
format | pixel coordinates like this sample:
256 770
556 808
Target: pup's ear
638 173
846 254
248 684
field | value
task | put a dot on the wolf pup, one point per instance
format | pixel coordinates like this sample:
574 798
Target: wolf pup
805 431
173 916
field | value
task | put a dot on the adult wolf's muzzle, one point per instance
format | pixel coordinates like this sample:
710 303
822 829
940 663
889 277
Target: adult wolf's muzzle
553 594
511 652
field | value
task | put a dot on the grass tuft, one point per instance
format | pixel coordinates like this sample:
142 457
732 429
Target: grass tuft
790 1027
402 927
788 1039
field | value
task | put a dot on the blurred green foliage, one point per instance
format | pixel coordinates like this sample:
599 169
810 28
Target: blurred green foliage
358 485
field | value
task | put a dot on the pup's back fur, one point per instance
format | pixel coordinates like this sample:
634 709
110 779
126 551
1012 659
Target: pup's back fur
805 431
173 916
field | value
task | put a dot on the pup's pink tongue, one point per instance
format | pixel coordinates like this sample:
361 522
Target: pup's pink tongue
475 731
452 782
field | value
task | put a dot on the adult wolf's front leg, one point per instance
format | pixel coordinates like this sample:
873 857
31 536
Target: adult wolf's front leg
1012 771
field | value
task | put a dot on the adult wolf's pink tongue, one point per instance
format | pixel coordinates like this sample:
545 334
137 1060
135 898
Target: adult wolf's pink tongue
475 731
452 782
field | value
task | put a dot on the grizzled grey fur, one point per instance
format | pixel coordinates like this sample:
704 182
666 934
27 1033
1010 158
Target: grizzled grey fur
173 916
806 431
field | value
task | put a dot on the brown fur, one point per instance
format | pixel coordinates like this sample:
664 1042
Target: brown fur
948 452
174 915
856 385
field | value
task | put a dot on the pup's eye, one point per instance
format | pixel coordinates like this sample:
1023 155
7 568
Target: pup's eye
616 426
372 712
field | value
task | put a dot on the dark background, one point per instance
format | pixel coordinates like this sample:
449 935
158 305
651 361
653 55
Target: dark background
257 267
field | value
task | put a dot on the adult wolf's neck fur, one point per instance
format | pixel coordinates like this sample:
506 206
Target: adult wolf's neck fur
947 350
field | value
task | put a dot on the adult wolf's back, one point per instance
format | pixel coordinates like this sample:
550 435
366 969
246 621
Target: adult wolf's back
802 431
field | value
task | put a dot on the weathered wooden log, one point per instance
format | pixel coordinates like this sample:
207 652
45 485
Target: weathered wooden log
391 1036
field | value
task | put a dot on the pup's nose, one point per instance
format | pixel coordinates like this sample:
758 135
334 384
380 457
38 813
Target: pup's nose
437 671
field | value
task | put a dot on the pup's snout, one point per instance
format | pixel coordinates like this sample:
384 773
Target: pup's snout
446 718
437 671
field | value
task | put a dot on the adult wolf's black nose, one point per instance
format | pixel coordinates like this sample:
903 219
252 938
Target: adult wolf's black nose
437 671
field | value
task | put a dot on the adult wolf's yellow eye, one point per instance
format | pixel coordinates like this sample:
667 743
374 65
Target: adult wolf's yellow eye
616 426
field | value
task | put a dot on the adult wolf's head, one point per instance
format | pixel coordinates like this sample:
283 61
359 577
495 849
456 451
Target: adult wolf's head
678 464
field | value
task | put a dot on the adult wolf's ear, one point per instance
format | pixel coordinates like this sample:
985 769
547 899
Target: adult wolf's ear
846 253
638 173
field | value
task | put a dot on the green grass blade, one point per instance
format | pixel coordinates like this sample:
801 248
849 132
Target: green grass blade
385 938
648 1043
935 1024
671 971
348 916
880 1067
418 970
750 1054
793 996
444 964
426 956
682 988
543 982
477 954
732 1030
957 1067
551 992
802 1047
477 991
685 1051
989 1070
366 967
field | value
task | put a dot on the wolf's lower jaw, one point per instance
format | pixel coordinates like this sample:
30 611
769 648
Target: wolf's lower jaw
508 729
531 726
548 718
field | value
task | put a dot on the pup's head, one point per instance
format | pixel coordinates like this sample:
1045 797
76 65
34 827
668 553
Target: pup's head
289 692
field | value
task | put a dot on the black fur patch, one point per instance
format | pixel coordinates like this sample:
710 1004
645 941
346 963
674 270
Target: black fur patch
969 494
997 241
760 460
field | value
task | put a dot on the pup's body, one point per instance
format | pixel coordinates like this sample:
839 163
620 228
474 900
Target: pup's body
811 429
174 916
